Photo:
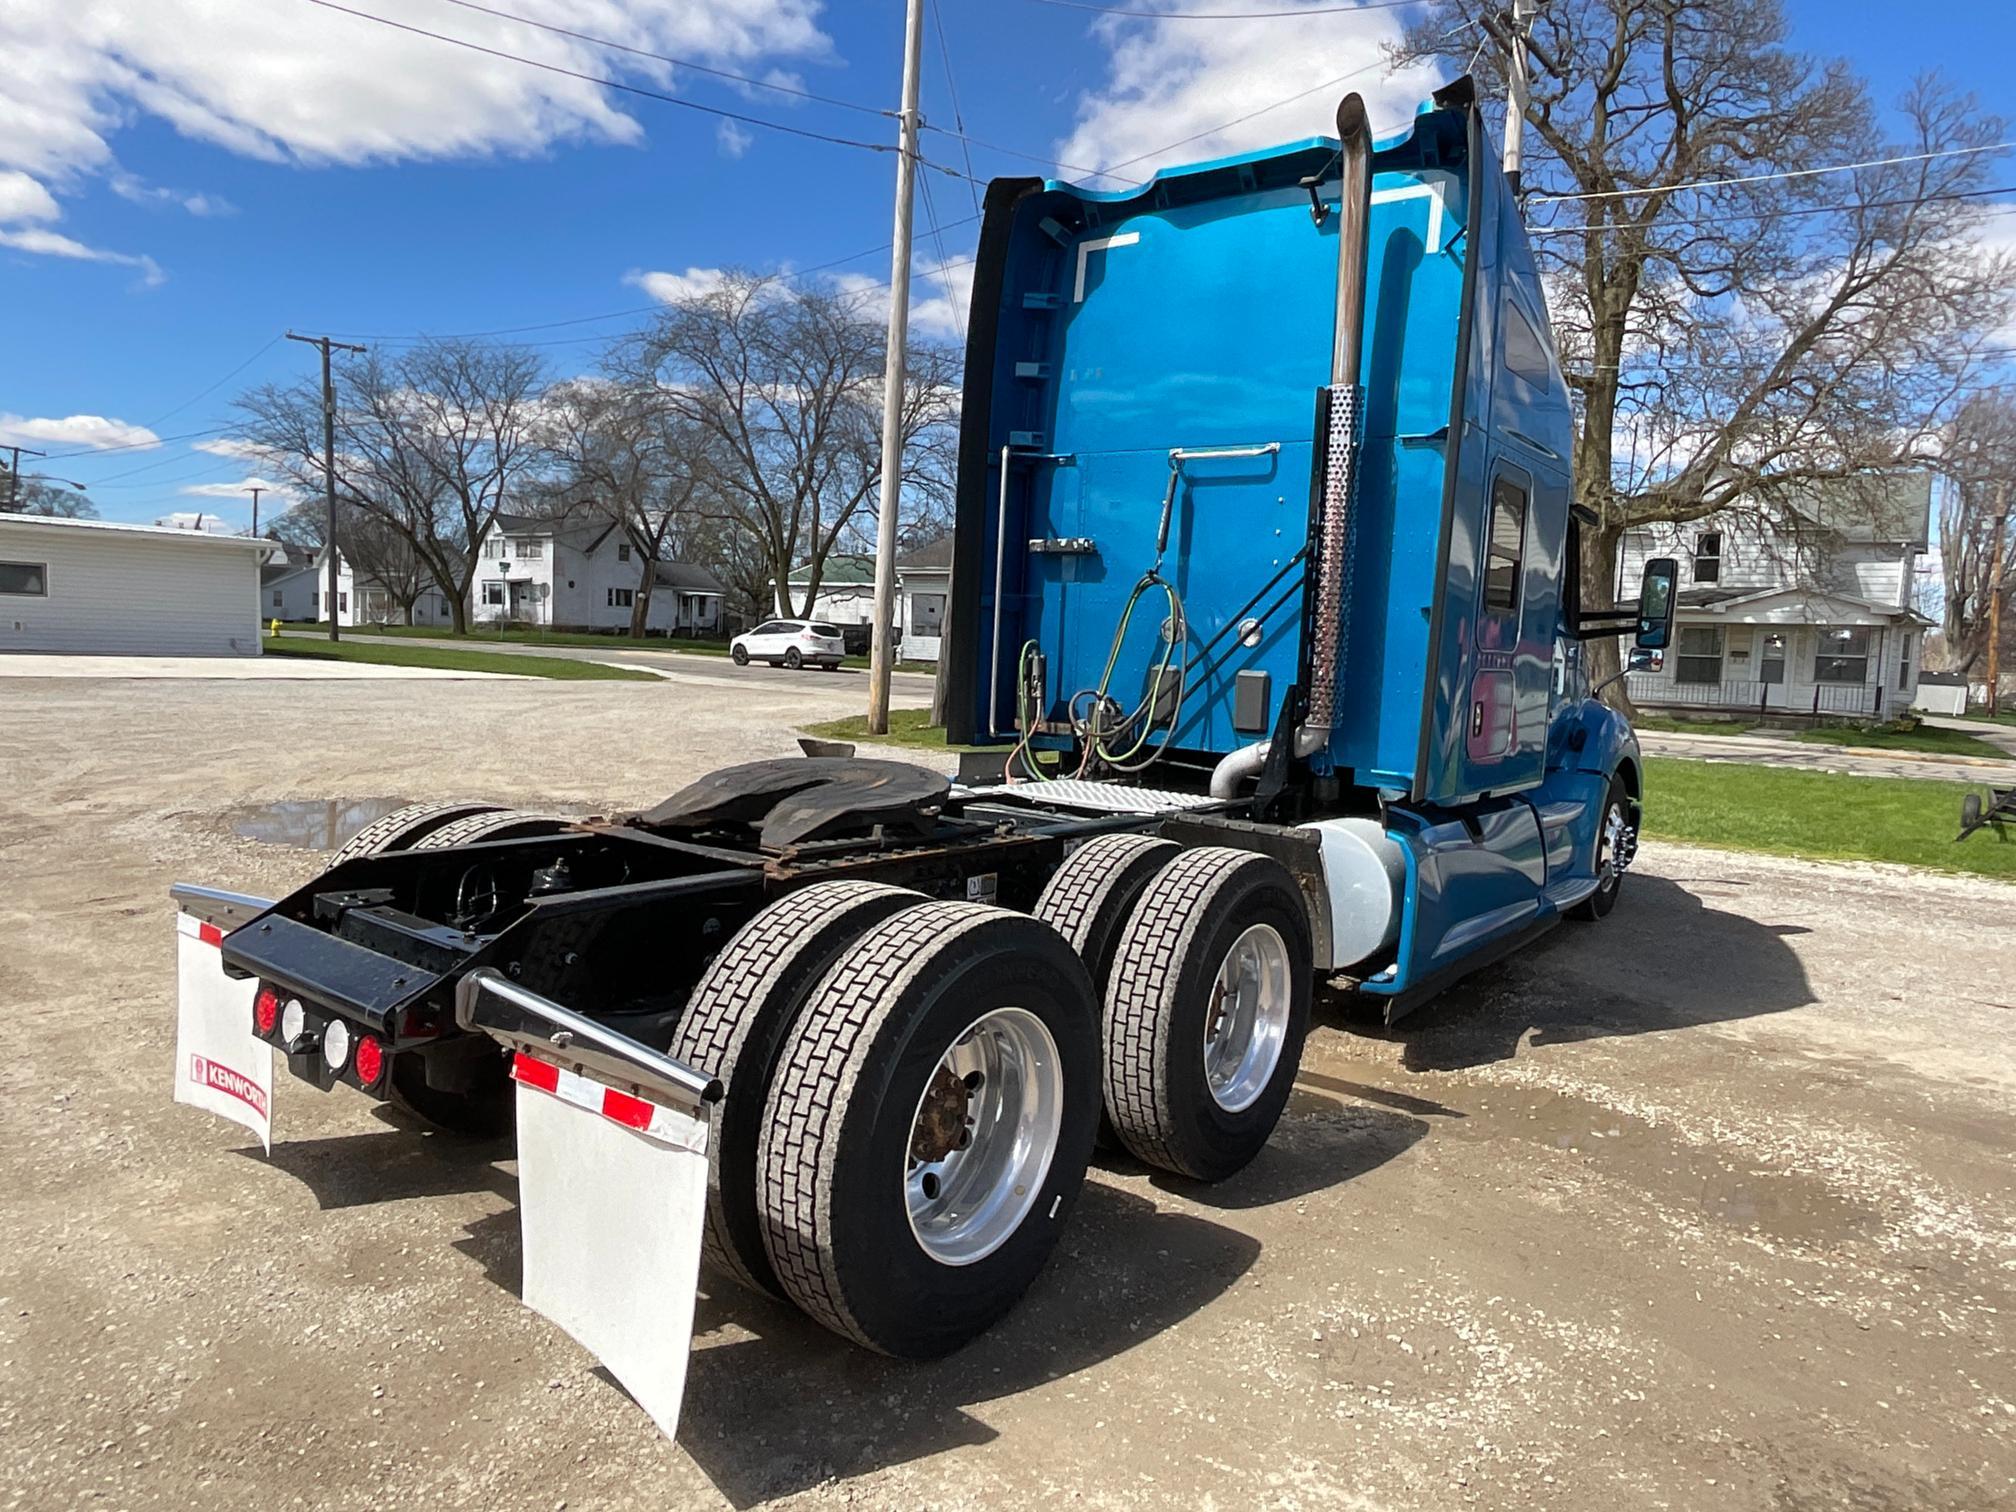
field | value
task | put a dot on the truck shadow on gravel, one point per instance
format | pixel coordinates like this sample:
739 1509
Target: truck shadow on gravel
401 1162
777 1405
1664 959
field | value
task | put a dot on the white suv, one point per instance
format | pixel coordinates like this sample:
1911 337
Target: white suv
789 643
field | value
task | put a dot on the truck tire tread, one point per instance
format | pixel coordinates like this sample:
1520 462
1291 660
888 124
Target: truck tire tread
403 827
734 1027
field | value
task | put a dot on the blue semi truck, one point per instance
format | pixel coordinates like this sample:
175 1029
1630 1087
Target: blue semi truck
1265 617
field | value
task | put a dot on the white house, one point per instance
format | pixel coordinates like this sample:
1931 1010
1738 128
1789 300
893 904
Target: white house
131 590
847 595
1806 611
293 589
584 574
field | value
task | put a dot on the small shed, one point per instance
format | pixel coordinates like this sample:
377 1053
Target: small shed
107 589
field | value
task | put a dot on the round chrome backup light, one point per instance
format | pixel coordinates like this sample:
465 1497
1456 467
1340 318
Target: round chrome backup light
293 1020
336 1044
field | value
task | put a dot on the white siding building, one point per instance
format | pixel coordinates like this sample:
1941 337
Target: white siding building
1807 612
584 576
847 596
294 591
127 590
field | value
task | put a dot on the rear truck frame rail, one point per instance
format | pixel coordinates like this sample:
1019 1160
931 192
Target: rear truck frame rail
847 1031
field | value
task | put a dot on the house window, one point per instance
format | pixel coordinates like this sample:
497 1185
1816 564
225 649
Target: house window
1507 545
314 603
29 579
1699 654
493 593
495 548
278 594
927 614
1904 666
622 598
1708 557
342 603
1843 655
622 551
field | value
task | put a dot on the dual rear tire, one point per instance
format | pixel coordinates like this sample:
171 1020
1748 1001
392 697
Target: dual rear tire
918 1088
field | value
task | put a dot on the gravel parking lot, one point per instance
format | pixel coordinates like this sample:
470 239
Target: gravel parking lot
1709 1205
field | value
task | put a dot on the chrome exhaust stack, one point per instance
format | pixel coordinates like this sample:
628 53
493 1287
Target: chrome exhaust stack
1344 411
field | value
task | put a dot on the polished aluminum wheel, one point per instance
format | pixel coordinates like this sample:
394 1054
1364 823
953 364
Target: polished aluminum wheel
1616 845
1247 1021
983 1136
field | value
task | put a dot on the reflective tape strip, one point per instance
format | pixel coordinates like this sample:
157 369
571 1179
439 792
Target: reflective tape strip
195 928
666 1125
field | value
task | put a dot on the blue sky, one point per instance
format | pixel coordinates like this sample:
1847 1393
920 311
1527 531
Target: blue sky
181 181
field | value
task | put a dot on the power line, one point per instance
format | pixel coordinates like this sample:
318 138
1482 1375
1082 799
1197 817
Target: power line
952 90
1765 178
701 68
1268 15
126 446
1763 215
633 89
275 341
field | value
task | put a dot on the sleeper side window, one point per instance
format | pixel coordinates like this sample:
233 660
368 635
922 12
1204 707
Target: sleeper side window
1505 547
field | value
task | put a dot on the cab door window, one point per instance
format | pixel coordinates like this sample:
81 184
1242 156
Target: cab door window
1505 546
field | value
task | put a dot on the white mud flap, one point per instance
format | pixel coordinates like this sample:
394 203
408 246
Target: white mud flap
612 1194
219 1065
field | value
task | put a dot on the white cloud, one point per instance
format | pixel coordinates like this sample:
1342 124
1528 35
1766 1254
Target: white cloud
1172 80
229 446
23 198
129 187
669 288
274 496
55 244
190 519
732 139
289 82
940 294
94 431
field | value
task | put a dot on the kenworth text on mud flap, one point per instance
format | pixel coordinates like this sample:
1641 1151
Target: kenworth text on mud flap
1266 609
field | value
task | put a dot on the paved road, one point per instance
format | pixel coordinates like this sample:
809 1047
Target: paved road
683 664
1762 750
223 669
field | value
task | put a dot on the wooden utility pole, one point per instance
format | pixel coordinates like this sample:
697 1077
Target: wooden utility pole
255 492
1516 89
14 473
1995 596
881 651
328 459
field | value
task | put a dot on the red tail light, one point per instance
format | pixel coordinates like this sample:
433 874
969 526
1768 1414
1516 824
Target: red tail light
265 1010
369 1060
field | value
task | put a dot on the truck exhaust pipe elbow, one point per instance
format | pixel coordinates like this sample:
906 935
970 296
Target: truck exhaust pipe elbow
1236 768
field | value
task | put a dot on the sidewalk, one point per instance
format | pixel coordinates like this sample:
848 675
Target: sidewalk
1860 761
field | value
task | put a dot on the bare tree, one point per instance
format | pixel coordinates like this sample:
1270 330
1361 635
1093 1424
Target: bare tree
430 444
624 457
1731 344
30 495
1980 504
785 383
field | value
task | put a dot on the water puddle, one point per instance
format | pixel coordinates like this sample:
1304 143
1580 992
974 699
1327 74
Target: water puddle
311 823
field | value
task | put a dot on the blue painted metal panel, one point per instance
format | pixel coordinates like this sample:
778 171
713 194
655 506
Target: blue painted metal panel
1198 313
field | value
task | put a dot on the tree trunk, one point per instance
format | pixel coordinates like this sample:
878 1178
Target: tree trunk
1601 591
640 603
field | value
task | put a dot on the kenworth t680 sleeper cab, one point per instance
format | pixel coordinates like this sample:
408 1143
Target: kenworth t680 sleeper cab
1265 601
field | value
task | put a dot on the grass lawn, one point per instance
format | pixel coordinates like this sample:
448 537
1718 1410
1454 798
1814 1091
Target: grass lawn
532 637
1925 738
378 653
1666 726
907 727
2007 716
1819 814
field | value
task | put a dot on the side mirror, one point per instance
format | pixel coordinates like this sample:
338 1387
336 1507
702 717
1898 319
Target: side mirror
1639 659
1658 592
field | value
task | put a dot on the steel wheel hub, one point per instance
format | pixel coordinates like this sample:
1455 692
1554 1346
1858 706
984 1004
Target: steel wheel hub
983 1136
1246 1023
1616 845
